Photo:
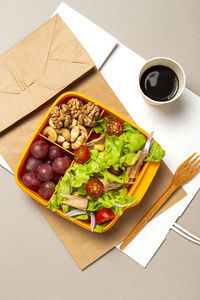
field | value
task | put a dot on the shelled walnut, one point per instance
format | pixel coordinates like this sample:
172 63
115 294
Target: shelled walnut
74 106
89 114
60 117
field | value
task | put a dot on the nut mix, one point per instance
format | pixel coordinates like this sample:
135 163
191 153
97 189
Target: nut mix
68 122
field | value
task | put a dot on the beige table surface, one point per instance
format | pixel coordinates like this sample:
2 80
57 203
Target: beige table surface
33 262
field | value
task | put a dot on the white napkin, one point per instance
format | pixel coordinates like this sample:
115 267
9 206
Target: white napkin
121 72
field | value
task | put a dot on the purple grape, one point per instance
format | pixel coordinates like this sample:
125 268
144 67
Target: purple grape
60 165
31 180
56 178
54 152
46 189
39 149
32 163
44 172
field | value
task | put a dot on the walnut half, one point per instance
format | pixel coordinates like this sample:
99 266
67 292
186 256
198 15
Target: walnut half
89 114
74 106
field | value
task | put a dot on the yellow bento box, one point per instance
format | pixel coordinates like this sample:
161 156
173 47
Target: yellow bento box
138 188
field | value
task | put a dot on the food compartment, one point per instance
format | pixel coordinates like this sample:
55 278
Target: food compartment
70 122
42 167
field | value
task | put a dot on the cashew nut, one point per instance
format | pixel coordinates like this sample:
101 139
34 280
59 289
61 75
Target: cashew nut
65 133
75 133
83 130
60 139
80 140
51 123
50 133
66 145
73 123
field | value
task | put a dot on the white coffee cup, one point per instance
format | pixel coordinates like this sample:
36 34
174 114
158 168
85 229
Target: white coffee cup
174 66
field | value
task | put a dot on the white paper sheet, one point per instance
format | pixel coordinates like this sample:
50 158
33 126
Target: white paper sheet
98 43
176 126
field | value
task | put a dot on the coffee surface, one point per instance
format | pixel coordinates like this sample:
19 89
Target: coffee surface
159 83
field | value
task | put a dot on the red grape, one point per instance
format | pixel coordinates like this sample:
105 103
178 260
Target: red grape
44 172
56 178
39 149
32 163
46 189
69 158
31 180
60 165
54 152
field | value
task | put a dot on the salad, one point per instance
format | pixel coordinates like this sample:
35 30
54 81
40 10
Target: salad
94 189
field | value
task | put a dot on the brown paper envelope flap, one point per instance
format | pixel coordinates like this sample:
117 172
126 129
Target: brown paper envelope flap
39 67
27 59
8 83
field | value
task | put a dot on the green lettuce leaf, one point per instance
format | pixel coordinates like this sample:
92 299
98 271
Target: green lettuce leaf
81 190
63 187
128 159
101 125
100 227
133 141
94 205
81 217
156 153
112 152
79 176
65 208
52 204
123 178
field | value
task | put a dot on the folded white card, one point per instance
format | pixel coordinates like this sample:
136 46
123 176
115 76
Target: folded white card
98 43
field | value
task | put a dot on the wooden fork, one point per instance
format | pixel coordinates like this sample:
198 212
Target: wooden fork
185 172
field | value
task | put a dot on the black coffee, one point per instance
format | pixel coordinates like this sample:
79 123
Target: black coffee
159 83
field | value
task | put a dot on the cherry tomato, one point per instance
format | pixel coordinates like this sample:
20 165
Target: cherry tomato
114 126
94 136
104 215
82 154
94 188
112 170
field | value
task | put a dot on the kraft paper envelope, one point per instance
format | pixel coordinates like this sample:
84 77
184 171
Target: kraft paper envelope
37 68
84 246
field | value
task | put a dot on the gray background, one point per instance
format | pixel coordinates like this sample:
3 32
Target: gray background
33 262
